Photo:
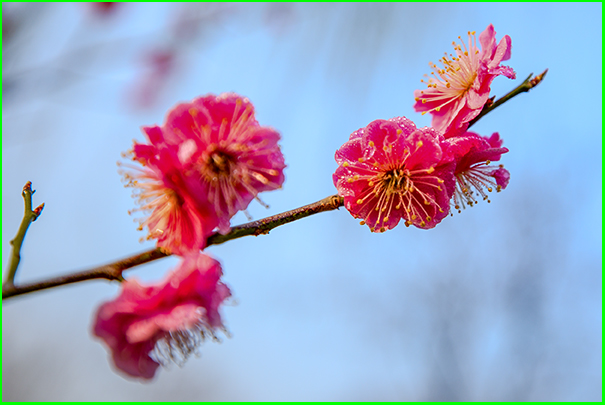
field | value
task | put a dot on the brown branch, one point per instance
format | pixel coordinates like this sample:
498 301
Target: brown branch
527 85
113 271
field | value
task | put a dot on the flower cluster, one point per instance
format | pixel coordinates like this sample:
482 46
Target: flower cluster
208 161
211 158
391 171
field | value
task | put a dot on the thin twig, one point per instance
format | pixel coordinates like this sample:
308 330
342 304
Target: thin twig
527 85
29 216
113 271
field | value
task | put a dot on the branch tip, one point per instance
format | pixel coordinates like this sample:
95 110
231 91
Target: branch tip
525 86
37 211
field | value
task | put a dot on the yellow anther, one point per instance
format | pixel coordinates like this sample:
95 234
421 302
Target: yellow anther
441 181
370 183
360 201
430 170
345 164
356 177
419 144
489 189
362 223
361 160
428 218
426 202
407 224
422 223
472 32
487 162
350 180
385 219
437 109
371 144
399 131
193 112
413 217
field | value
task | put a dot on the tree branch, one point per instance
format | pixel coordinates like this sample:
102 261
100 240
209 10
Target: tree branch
527 85
29 216
113 271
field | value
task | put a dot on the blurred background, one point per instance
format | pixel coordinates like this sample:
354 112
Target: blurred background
500 302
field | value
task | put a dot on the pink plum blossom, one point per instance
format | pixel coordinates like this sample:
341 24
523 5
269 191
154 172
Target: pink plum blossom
473 154
223 146
146 326
390 170
208 161
176 211
457 92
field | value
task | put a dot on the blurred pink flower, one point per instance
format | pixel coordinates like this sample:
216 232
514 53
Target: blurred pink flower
160 64
175 209
457 93
207 162
221 144
103 8
146 326
473 154
390 170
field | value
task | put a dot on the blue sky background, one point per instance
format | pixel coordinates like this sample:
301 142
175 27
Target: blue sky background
501 302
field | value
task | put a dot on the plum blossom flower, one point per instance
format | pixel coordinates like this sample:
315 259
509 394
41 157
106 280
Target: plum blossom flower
474 173
208 161
390 170
146 326
457 92
175 210
223 146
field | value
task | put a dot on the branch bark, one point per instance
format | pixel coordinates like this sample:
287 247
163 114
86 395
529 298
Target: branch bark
113 271
526 86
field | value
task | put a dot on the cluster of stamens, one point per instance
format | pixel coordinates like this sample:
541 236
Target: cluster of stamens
177 346
226 166
456 77
474 182
151 196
